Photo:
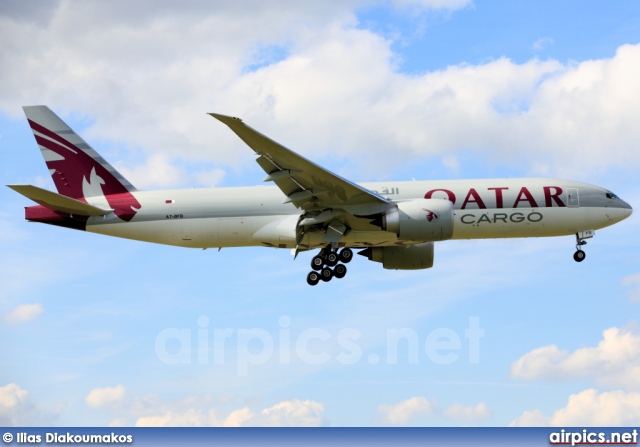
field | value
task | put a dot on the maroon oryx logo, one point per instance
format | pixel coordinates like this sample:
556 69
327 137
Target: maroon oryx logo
77 174
430 214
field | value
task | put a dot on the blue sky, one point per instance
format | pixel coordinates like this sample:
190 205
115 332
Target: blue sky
372 91
518 30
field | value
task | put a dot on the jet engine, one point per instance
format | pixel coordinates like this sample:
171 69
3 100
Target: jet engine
424 220
404 257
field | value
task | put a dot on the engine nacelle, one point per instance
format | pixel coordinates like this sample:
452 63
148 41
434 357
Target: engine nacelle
403 257
420 220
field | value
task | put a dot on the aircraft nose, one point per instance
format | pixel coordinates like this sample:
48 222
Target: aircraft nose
627 208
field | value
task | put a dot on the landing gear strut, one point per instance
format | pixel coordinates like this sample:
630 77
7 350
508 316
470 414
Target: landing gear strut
327 258
579 255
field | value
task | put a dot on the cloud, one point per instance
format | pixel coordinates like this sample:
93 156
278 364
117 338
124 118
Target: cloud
189 418
106 397
38 13
462 413
23 313
11 396
13 403
589 408
532 418
633 281
435 4
432 4
17 409
615 361
201 411
405 412
157 171
292 413
161 171
542 43
146 79
238 418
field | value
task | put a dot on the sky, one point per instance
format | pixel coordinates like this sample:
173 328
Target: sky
102 331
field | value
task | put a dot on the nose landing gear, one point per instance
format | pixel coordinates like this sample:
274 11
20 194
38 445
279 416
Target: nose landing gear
327 258
579 255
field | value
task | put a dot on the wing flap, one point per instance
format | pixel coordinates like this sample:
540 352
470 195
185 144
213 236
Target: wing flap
58 202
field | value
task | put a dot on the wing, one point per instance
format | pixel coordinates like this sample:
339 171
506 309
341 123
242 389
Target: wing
304 183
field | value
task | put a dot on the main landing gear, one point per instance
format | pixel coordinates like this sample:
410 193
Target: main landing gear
579 255
326 265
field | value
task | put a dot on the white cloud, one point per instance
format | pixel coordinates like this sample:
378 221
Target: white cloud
238 418
531 418
404 412
435 4
540 363
11 396
16 408
147 79
589 408
106 397
633 281
201 411
23 313
157 171
189 418
601 409
462 413
13 401
615 361
292 413
542 43
161 171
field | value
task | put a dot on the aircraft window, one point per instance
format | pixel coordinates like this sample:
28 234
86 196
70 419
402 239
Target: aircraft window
611 195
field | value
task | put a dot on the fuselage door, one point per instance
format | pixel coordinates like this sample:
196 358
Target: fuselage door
573 200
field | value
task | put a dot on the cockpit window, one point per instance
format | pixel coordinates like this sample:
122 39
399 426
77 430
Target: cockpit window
611 195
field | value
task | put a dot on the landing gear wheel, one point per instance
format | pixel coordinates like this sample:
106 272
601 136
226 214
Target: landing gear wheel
346 255
579 256
332 259
326 274
317 263
313 278
340 271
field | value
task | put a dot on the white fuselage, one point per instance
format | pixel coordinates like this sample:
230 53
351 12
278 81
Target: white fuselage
256 216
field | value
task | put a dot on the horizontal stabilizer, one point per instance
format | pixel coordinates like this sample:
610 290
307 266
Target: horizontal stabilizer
58 202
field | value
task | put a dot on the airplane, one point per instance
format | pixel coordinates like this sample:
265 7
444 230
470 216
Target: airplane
395 223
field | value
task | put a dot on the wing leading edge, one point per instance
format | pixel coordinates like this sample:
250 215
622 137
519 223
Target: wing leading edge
308 186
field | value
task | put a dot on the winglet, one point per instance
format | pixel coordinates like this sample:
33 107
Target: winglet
228 120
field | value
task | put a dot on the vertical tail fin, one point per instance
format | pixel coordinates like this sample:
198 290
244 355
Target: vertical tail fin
76 168
78 171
